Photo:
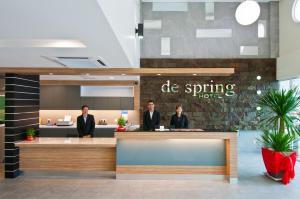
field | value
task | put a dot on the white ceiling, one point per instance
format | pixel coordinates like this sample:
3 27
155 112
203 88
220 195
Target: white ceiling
86 21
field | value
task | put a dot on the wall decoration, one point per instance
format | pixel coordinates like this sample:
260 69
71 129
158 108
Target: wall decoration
212 113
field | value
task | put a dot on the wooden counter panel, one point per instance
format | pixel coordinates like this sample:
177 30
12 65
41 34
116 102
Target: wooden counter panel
64 159
170 169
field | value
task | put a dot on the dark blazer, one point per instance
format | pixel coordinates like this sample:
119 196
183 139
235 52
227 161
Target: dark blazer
179 122
151 124
87 128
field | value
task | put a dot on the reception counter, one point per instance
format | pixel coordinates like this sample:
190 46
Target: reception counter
135 155
172 154
68 154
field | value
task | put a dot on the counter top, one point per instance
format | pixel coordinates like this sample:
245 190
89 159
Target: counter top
74 126
71 142
174 135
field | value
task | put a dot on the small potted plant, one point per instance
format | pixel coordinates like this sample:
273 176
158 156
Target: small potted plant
121 124
30 133
280 132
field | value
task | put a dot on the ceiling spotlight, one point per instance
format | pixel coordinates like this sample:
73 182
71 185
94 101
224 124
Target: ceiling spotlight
50 73
247 12
123 74
140 30
194 74
258 108
258 77
296 11
158 74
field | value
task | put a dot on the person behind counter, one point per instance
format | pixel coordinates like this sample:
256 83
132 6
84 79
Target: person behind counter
85 123
151 117
179 120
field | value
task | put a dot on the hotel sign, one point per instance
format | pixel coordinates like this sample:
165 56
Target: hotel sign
201 91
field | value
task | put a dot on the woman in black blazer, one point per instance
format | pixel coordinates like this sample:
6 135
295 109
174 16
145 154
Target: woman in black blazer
179 120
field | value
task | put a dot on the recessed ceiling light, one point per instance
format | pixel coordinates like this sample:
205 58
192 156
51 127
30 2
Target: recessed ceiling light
258 108
258 92
123 74
296 11
41 43
158 74
194 74
50 73
258 77
247 12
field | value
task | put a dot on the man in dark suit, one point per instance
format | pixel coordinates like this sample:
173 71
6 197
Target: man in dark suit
151 117
85 123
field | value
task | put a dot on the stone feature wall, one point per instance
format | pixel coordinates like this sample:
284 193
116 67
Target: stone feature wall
227 113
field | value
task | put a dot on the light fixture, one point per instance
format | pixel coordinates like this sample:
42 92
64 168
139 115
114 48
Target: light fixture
140 30
296 11
194 74
258 108
247 12
158 74
50 73
258 77
41 43
123 74
258 92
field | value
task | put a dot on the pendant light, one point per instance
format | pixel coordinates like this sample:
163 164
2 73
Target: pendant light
247 12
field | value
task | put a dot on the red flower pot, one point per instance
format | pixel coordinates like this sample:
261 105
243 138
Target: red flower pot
280 165
29 138
121 128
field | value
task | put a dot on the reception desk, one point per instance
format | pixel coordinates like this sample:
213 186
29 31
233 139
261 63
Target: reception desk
136 155
68 154
172 154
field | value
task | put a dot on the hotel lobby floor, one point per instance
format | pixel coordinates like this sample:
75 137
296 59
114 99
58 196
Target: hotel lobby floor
252 184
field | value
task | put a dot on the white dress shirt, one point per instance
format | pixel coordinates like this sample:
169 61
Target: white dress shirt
84 117
151 114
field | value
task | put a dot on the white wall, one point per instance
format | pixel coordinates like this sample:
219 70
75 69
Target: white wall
181 28
288 63
123 17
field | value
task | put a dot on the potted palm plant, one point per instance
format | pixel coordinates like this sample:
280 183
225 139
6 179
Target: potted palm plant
121 124
280 132
30 133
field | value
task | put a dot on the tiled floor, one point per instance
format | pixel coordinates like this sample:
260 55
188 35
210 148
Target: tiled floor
252 184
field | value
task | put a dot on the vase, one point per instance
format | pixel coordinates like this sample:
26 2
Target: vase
280 165
121 128
30 138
